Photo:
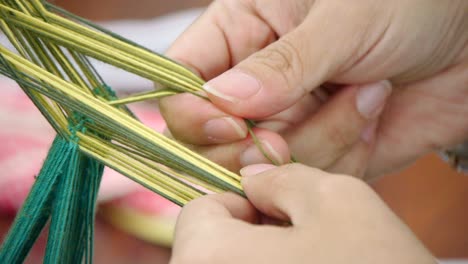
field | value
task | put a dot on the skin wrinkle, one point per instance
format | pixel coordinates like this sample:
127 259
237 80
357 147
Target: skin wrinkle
455 21
404 33
281 60
369 51
318 27
251 7
232 41
461 30
287 23
217 22
363 55
295 53
427 67
402 104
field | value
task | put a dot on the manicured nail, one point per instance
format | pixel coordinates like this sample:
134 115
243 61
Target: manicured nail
371 98
225 129
233 85
253 155
255 169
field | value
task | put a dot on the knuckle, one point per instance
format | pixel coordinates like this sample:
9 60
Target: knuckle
278 57
339 138
284 59
284 180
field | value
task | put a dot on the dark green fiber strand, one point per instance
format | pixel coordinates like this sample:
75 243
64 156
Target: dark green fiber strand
171 159
72 220
66 173
93 175
36 210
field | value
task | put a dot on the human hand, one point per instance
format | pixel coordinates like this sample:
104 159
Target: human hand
334 219
280 51
337 136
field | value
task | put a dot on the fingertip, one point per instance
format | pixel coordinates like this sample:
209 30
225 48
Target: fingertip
371 98
225 129
233 86
240 93
197 121
269 148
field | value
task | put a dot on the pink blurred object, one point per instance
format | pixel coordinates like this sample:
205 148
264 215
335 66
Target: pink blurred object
26 137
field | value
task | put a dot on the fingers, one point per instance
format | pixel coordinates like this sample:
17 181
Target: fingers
225 34
208 229
264 84
196 121
337 137
215 207
281 192
347 119
432 119
306 106
207 219
355 161
277 76
236 155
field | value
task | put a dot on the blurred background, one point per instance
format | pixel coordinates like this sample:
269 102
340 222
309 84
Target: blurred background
429 196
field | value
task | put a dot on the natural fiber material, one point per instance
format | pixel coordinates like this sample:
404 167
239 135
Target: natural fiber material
37 208
53 70
94 128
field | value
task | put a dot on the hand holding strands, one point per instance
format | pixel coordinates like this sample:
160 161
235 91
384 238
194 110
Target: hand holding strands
334 219
53 70
266 59
50 63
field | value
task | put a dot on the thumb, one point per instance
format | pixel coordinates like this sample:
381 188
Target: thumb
276 77
282 192
266 83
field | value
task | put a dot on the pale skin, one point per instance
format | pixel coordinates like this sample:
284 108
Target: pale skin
334 219
264 61
291 47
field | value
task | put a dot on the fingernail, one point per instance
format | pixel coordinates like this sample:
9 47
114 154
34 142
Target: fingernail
253 155
371 98
233 85
255 169
224 129
368 134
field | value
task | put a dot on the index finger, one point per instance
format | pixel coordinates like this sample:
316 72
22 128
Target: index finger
228 32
